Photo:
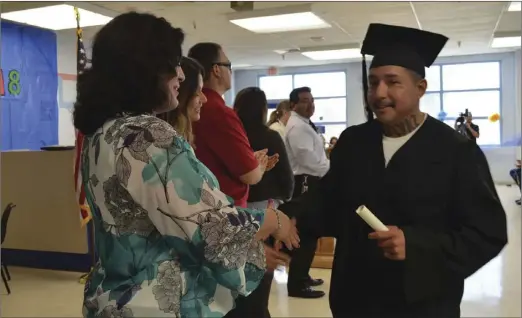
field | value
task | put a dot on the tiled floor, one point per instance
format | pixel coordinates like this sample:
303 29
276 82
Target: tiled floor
494 291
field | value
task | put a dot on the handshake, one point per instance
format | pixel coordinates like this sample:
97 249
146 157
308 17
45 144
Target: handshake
283 231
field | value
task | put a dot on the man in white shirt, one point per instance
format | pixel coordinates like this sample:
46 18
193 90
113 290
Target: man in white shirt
308 160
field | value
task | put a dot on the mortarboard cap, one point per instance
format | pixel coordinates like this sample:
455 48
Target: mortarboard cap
410 48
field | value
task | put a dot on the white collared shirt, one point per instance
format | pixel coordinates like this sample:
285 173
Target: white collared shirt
305 147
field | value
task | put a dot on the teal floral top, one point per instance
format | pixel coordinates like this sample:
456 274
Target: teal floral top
169 242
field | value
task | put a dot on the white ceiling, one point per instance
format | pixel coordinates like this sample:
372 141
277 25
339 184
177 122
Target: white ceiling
469 25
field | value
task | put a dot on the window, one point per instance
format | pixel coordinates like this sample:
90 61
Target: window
479 103
330 110
323 84
471 76
489 132
430 104
433 78
472 86
333 130
276 87
328 89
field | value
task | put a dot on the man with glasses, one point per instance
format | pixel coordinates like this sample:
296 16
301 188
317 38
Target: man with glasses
223 146
305 148
221 142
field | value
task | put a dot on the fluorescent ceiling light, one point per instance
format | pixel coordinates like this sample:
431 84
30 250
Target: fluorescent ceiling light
333 54
505 42
282 23
241 65
280 52
515 6
57 17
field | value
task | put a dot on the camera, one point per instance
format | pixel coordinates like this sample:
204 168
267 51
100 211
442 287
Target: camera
462 117
459 123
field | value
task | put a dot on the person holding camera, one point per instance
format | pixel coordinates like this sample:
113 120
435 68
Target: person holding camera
465 126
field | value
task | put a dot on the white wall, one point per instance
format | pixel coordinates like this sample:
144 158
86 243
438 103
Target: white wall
501 159
66 41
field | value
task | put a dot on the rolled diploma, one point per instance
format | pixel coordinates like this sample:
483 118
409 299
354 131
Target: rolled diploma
371 219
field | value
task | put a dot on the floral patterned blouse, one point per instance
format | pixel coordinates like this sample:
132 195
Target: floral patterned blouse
169 242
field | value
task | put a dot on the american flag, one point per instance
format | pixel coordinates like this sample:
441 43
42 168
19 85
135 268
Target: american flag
81 56
81 64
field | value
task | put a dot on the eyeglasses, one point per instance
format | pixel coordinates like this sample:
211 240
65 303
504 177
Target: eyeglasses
227 65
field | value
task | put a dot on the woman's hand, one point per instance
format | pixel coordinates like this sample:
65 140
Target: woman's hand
275 258
278 225
287 233
262 158
272 161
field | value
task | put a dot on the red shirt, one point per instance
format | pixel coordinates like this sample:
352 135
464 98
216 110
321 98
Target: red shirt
222 145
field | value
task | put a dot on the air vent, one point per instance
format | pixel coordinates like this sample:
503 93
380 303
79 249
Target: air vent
240 6
317 38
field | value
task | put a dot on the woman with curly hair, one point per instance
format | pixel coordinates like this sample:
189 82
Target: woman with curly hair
168 240
191 99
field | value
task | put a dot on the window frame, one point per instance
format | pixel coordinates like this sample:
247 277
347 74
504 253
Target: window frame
293 74
441 92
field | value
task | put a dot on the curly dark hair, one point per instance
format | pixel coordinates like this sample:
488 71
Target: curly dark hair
133 57
251 108
188 89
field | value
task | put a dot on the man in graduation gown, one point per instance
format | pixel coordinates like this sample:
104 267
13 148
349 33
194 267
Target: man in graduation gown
429 185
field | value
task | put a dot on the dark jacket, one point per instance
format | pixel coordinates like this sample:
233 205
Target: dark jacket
277 183
437 189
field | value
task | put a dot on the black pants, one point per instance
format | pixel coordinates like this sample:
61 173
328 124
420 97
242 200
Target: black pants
256 304
302 257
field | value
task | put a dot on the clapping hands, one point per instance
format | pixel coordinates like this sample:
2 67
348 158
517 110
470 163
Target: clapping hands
272 161
266 162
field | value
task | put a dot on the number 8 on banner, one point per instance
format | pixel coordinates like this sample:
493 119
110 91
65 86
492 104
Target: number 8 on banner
13 84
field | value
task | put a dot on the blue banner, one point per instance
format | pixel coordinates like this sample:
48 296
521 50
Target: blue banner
29 87
272 105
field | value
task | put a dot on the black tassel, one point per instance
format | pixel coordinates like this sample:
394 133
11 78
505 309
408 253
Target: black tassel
368 110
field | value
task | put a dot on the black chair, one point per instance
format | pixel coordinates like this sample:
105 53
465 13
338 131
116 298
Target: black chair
3 228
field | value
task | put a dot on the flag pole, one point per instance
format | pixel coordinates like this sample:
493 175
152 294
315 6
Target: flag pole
85 213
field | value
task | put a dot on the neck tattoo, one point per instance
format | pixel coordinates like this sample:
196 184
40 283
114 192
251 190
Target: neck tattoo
405 126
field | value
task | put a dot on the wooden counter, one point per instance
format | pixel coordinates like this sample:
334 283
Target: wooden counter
46 217
324 253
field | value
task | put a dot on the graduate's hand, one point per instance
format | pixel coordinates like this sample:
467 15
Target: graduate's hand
275 258
392 242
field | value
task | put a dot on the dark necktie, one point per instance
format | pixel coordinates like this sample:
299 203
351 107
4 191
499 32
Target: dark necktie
313 126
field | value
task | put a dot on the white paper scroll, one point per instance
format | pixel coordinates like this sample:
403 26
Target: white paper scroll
371 219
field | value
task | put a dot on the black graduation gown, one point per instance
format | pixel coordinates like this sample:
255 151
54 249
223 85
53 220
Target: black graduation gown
437 188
